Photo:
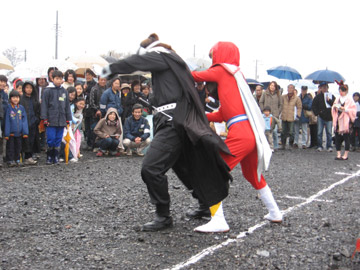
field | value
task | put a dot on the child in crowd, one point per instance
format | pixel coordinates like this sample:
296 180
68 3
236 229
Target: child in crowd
136 132
270 124
30 102
72 94
55 110
343 114
109 133
78 115
16 128
18 86
76 106
79 90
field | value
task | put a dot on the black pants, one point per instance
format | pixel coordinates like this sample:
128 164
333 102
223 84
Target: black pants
108 144
90 124
90 140
28 144
355 134
313 135
287 131
13 148
164 151
339 138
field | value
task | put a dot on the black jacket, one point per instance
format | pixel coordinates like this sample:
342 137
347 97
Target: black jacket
94 99
55 106
129 101
33 116
319 107
87 111
200 166
4 100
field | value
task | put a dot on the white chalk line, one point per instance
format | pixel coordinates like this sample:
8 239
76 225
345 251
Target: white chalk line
342 173
303 199
208 251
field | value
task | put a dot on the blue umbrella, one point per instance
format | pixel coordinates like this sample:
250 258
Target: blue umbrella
284 72
324 75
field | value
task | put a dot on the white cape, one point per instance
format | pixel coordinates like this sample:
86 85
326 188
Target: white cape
255 118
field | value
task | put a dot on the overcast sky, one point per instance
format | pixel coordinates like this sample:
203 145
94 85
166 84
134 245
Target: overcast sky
306 35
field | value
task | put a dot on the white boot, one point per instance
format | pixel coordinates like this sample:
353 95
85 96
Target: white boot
269 201
217 222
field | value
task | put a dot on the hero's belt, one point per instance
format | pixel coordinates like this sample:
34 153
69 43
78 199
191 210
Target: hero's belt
236 119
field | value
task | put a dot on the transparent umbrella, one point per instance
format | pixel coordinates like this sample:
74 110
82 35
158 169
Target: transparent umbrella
87 61
5 63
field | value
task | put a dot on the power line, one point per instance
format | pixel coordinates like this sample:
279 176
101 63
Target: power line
56 35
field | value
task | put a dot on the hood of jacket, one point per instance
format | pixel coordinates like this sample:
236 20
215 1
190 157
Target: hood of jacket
34 92
225 53
110 110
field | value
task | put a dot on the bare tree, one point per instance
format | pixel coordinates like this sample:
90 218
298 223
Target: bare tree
13 55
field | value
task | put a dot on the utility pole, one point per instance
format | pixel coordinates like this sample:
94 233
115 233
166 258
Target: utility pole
56 35
256 63
25 55
194 50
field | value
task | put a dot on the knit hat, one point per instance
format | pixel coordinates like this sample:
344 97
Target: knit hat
125 85
356 94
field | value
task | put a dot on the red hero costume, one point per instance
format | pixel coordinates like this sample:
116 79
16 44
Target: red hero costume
242 142
240 139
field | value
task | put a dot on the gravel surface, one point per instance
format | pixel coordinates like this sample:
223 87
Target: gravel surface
88 216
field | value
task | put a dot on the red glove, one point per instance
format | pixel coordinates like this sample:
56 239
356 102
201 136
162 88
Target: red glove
46 123
25 136
67 122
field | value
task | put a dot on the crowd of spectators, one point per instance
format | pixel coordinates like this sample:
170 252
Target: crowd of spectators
102 116
307 114
112 117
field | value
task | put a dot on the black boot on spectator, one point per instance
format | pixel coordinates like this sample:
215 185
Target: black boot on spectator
162 220
201 212
49 156
56 155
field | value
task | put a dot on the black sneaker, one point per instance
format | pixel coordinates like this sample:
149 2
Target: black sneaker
158 224
201 212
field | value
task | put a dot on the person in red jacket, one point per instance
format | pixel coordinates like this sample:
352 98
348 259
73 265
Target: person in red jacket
246 138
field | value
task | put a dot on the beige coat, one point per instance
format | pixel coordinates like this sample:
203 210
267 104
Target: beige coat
102 129
288 111
274 101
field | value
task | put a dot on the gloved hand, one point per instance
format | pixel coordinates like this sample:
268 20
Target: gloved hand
46 123
25 136
6 138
